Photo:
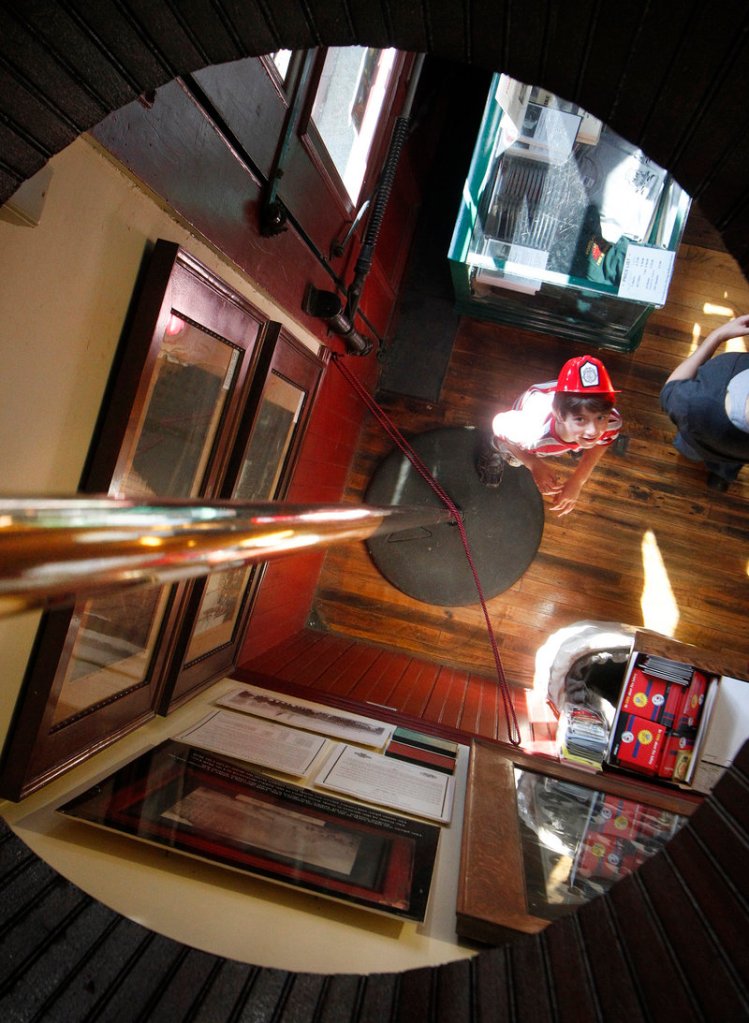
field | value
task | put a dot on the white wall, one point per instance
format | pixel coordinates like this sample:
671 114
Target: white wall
65 288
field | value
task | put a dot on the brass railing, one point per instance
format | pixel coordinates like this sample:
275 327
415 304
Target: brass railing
54 551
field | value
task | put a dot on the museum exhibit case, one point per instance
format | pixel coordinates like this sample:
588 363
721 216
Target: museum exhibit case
564 227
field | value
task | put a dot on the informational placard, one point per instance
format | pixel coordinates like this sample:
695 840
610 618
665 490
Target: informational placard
374 778
264 743
338 724
646 274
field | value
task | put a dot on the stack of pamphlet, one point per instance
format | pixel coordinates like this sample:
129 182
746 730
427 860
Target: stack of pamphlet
670 671
582 736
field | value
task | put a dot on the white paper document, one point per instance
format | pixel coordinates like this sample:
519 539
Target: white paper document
312 716
375 778
258 742
646 274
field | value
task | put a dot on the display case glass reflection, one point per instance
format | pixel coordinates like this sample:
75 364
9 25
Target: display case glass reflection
541 837
577 841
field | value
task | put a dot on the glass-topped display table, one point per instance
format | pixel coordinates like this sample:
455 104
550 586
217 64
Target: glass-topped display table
541 838
564 226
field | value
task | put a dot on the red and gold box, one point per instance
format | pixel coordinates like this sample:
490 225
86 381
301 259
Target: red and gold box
615 817
694 697
605 857
672 707
644 695
676 756
639 743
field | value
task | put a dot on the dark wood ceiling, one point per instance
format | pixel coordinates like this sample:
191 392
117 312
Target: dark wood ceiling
667 75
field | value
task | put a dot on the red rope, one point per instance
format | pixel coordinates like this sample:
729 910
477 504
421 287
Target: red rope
513 729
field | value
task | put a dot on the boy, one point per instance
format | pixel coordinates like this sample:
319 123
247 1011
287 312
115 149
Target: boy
575 413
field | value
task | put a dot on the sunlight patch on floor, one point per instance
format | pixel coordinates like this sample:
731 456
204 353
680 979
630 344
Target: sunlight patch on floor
736 344
660 611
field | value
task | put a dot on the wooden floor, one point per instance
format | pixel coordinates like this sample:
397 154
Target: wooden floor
402 689
648 544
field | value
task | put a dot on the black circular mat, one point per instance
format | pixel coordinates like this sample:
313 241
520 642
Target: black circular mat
504 526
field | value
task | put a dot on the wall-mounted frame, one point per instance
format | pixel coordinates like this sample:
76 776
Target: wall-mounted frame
166 430
540 838
216 609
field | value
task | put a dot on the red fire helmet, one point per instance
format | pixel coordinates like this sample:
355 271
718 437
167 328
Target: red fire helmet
585 375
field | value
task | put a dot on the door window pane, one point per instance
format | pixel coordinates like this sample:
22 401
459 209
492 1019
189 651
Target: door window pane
261 471
170 448
350 100
282 59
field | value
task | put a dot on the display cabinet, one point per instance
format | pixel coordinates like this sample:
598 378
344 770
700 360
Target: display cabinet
207 399
682 714
214 610
541 838
564 226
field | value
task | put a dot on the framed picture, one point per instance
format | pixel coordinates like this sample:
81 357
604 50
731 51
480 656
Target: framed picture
217 607
540 838
167 428
204 805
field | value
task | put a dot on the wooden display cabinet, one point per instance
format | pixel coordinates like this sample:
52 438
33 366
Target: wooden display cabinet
540 838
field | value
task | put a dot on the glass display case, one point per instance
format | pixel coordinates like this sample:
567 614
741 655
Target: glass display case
541 838
564 226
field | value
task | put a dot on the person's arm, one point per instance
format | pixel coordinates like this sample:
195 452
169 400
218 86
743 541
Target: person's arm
546 480
687 369
570 492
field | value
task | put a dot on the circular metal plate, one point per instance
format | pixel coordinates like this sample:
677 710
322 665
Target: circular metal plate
504 526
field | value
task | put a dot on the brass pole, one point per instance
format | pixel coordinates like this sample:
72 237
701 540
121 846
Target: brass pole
54 551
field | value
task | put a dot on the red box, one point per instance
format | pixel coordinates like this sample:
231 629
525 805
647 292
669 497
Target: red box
616 817
677 753
644 696
653 823
694 697
672 707
605 858
639 743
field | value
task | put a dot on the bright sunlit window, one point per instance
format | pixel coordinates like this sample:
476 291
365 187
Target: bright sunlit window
349 102
282 58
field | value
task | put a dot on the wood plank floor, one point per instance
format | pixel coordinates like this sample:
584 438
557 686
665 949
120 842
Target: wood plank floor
393 686
649 544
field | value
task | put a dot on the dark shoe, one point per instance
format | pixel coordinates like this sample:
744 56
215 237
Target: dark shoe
718 483
490 468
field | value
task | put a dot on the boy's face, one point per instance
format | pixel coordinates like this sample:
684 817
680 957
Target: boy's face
582 427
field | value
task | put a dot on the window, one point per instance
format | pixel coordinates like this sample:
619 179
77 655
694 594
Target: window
351 97
282 59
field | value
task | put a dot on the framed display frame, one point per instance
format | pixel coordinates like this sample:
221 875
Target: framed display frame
166 430
215 609
504 885
207 806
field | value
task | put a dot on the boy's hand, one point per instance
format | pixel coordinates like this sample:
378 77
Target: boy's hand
546 480
568 495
